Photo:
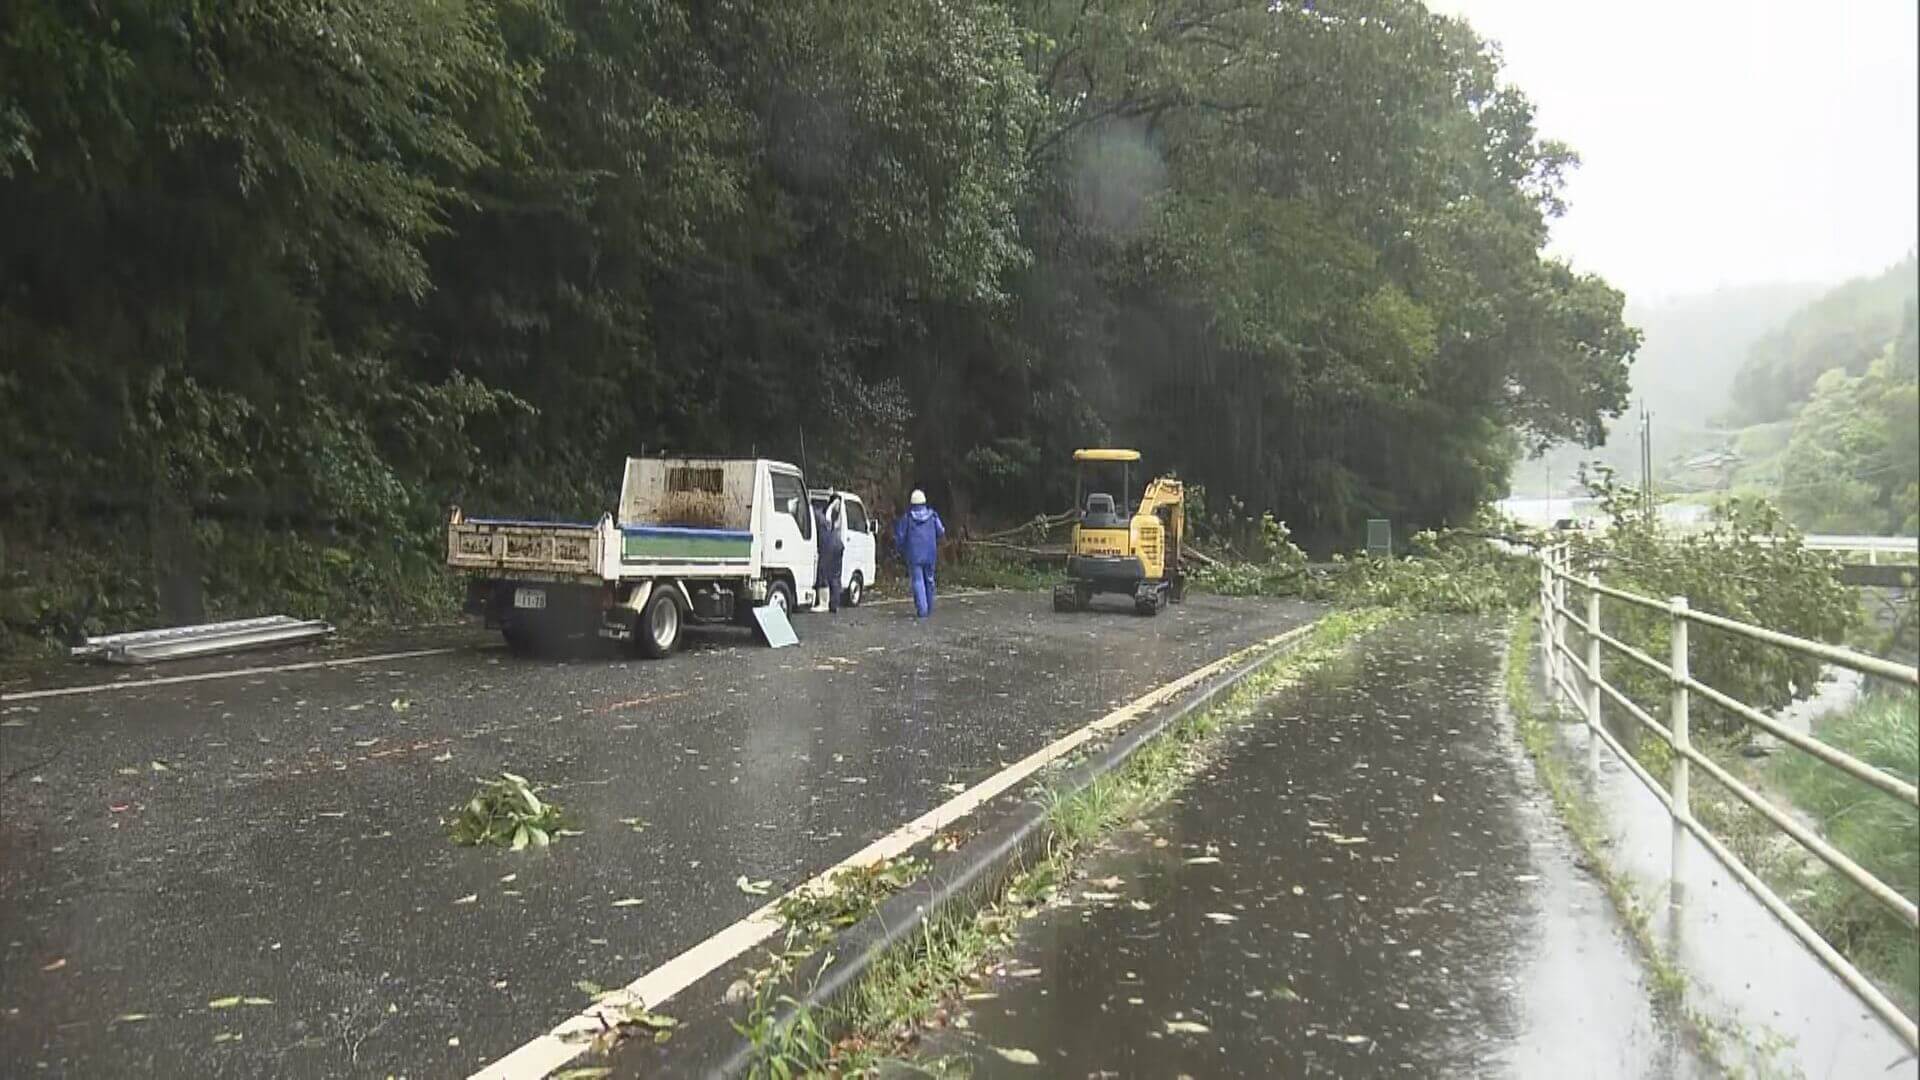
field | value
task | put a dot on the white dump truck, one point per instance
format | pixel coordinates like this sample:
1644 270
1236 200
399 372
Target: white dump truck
695 540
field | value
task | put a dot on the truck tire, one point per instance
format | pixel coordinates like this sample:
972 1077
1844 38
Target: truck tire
656 632
780 594
851 597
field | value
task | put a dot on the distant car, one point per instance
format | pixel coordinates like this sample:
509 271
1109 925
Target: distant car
849 513
1565 525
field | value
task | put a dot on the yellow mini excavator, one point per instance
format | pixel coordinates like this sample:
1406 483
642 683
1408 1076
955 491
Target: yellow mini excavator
1119 546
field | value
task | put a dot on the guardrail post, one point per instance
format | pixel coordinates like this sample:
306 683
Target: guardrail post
1682 743
1560 618
1546 621
1593 674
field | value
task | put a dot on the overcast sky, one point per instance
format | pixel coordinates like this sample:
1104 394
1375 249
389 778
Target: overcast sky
1722 142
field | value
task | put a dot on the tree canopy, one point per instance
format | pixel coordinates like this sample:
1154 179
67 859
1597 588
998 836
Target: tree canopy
336 263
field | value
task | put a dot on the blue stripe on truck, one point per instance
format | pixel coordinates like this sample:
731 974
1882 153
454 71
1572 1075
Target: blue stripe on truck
685 531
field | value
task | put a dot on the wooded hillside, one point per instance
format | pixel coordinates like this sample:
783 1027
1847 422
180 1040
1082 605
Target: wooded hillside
281 279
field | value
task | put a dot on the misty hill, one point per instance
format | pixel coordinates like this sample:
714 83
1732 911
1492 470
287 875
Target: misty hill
1846 329
1693 349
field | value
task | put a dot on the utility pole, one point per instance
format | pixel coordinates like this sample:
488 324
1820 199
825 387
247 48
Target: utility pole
1646 460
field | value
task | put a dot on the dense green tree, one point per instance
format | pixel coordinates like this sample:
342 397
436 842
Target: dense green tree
304 271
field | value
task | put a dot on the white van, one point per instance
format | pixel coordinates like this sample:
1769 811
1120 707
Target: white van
848 513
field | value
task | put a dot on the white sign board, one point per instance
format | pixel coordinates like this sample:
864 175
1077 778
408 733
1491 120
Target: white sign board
774 626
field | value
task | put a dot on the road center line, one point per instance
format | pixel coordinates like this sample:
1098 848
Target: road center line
237 673
569 1040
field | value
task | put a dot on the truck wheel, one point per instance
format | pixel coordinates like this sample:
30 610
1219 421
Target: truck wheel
852 596
780 595
657 630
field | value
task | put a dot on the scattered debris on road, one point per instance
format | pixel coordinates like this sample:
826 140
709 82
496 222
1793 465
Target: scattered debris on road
507 812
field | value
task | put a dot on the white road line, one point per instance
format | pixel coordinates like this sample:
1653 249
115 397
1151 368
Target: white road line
237 673
569 1040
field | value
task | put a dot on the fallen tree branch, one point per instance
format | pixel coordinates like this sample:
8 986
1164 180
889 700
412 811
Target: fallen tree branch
1201 557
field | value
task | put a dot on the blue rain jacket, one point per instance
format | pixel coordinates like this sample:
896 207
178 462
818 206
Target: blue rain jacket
917 535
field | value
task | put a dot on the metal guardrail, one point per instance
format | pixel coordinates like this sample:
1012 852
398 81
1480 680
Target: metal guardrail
96 645
205 639
1586 692
1875 548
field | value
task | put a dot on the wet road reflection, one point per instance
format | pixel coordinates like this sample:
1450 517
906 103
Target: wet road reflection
1361 883
278 835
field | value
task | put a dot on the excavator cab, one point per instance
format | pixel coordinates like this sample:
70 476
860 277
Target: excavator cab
1121 545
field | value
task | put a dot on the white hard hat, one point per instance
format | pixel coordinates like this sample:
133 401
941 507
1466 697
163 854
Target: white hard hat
918 498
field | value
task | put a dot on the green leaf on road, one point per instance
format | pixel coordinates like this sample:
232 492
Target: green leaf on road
1017 1055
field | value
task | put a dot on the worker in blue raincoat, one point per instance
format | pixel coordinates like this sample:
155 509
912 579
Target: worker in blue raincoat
917 535
833 548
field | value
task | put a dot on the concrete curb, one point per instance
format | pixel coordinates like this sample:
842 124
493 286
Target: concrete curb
957 882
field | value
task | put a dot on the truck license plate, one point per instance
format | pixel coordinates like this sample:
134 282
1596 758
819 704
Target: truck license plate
530 598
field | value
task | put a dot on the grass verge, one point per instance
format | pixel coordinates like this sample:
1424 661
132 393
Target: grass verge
1878 832
915 986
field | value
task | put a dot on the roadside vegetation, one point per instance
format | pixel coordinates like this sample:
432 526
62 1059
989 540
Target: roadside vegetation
918 986
1874 829
293 278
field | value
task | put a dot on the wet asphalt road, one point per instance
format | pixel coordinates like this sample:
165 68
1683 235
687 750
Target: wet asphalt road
1364 881
277 836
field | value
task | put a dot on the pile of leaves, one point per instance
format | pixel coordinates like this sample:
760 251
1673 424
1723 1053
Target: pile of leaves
506 812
